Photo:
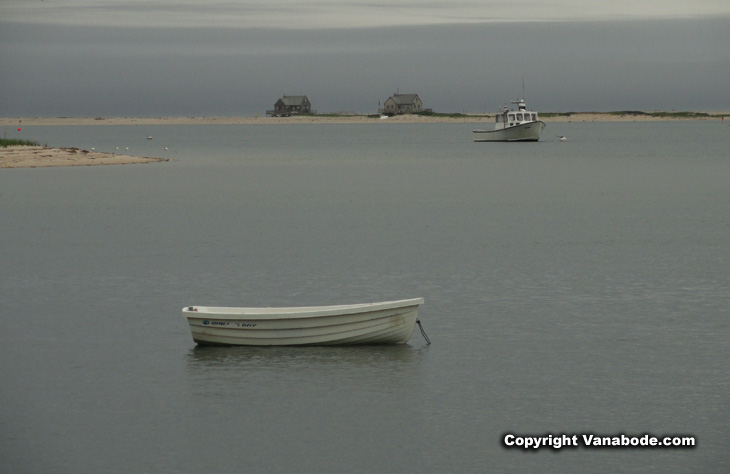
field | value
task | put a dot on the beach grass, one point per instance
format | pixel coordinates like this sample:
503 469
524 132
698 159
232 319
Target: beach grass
6 142
688 115
442 114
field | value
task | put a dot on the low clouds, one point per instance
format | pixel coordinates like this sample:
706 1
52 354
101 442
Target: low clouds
62 70
296 14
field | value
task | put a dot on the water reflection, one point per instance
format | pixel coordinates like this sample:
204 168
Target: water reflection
263 371
288 356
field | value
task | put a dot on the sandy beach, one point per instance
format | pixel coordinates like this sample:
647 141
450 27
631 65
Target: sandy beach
40 156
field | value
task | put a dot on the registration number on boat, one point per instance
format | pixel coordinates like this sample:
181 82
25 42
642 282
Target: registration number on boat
228 324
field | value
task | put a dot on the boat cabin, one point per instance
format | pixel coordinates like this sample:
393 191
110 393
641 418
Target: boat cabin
510 118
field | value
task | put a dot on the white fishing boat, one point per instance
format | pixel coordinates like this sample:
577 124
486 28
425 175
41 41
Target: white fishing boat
519 125
388 322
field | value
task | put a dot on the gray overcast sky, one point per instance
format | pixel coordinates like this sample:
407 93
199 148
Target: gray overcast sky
218 57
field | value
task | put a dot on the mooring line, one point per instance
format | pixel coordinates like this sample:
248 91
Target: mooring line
428 341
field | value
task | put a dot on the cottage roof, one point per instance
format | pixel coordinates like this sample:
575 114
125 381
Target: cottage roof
294 99
402 99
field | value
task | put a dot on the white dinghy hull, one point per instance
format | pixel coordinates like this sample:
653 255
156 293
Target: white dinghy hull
388 322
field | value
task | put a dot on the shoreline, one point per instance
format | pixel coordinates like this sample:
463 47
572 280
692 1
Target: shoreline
44 157
344 119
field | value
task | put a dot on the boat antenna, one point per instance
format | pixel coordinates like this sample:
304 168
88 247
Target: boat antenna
523 87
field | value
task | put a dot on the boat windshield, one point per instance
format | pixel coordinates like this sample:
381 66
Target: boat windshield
518 116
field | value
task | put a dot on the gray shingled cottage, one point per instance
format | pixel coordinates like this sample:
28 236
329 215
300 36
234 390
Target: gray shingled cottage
402 104
291 105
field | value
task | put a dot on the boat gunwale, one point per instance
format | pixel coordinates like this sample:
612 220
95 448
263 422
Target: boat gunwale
277 313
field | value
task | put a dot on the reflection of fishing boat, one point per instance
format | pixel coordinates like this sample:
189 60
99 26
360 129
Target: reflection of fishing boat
513 126
389 322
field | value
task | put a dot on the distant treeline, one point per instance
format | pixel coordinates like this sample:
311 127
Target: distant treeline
680 115
422 114
688 115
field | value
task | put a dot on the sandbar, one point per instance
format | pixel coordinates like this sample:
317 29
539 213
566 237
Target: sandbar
344 119
41 156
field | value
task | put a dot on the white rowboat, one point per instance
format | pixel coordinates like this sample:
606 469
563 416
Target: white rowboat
388 322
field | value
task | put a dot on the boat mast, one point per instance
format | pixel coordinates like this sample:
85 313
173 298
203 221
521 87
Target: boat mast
523 88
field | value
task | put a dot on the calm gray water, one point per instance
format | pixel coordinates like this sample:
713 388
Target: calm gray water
571 287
